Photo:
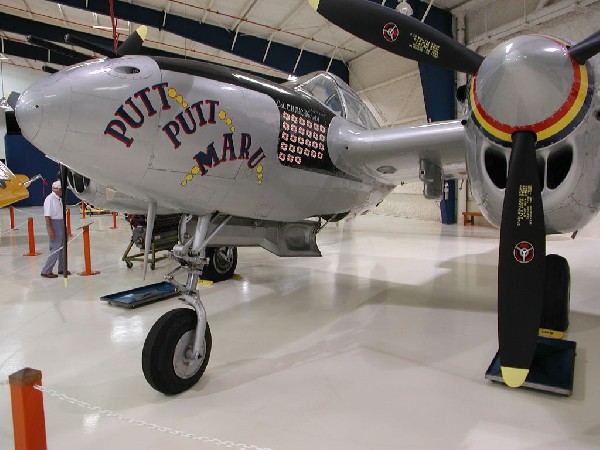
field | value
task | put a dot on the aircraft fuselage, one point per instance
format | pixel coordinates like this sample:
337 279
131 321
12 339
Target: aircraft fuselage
194 136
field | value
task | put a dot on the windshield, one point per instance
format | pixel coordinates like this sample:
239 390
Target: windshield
338 97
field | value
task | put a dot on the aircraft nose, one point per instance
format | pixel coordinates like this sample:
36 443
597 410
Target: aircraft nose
43 113
29 112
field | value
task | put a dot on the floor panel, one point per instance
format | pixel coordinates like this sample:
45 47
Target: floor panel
380 344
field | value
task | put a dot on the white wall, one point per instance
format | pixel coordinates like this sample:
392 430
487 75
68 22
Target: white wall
408 201
15 79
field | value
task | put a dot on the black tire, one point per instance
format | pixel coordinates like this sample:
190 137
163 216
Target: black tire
168 336
557 290
222 263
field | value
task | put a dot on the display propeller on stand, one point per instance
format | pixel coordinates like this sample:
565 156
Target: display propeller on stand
522 261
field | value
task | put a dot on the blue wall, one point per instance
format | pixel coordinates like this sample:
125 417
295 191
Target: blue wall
24 158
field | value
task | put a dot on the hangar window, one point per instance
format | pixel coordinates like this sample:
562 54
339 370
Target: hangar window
338 97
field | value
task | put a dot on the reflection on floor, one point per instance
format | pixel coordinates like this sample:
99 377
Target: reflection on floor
380 344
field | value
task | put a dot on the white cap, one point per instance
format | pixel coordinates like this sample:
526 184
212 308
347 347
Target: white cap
56 185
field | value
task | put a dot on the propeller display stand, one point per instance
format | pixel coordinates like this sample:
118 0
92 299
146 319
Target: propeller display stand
552 369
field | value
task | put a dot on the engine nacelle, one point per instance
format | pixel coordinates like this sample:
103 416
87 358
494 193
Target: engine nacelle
550 93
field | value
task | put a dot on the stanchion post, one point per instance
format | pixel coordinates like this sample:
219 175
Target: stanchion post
114 215
69 223
82 209
27 410
11 213
31 238
86 252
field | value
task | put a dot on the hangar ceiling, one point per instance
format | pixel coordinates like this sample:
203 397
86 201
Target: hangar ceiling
280 38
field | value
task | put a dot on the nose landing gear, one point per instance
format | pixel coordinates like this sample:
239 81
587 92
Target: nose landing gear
177 348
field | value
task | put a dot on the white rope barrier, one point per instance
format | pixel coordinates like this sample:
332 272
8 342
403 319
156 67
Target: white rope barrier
144 424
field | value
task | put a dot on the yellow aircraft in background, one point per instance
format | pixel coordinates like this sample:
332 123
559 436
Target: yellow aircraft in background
13 187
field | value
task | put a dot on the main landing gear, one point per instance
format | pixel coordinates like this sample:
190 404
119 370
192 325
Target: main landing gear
177 348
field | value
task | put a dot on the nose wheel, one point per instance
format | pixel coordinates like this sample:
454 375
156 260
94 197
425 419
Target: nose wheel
168 360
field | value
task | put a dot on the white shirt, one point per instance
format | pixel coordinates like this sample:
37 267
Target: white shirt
53 206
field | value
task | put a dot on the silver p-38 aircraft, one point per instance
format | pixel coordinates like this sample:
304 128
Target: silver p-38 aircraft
248 161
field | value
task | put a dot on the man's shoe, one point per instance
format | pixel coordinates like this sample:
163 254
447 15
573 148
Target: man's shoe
49 275
68 272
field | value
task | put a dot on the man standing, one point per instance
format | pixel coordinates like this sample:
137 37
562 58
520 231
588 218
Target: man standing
54 227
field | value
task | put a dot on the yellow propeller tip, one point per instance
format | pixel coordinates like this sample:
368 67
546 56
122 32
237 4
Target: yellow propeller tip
142 32
314 4
65 282
514 377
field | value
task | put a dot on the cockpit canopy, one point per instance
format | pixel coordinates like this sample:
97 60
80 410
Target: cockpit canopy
338 97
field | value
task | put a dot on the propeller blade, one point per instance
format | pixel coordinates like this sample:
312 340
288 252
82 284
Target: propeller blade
39 42
49 69
149 229
133 44
521 262
403 35
587 48
83 43
63 183
12 99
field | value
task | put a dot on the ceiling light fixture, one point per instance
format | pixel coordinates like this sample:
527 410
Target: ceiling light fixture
102 27
404 8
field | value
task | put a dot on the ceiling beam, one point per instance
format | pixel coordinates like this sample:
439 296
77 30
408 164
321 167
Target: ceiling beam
280 56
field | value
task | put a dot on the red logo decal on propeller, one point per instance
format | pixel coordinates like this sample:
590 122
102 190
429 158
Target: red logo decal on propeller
524 252
390 32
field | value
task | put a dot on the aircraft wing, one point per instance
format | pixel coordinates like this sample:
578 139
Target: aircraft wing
12 187
394 155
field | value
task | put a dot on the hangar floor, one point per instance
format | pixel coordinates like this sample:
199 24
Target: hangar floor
380 344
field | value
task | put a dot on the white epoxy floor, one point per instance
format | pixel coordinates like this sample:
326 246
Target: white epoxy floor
380 344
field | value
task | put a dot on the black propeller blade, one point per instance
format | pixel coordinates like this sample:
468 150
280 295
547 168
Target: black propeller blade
78 57
403 35
49 69
522 261
587 48
83 43
12 99
63 183
133 44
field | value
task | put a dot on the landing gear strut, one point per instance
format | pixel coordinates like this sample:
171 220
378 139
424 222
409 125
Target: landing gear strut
177 348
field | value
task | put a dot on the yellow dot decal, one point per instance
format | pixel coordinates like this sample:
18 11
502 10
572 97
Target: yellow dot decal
172 93
222 115
184 104
179 99
195 170
232 129
260 175
183 183
229 121
189 177
259 169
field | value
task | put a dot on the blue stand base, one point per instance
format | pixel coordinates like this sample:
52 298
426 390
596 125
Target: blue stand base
552 369
142 295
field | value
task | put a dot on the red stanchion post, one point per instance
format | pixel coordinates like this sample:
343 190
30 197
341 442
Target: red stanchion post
86 252
69 223
31 238
82 209
27 410
11 213
114 214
